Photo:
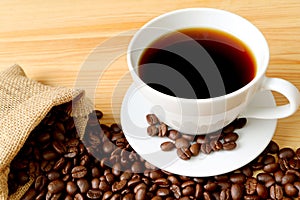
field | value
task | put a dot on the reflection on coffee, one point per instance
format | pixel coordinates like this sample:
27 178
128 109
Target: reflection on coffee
197 63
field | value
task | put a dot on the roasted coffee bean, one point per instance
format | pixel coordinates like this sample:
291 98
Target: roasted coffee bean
229 145
40 183
108 146
152 119
56 186
286 153
71 188
67 168
288 178
107 195
133 182
216 145
262 191
137 167
83 185
184 153
201 139
109 177
250 185
152 130
174 135
272 147
139 186
188 191
231 137
49 155
195 149
141 193
94 194
156 174
78 196
79 172
104 185
278 176
297 185
283 164
162 130
294 163
163 192
53 175
236 191
181 142
270 168
205 148
117 186
247 171
115 127
59 164
162 182
264 177
71 152
95 183
176 191
121 142
276 192
237 178
58 147
198 191
268 159
240 123
225 194
270 183
210 186
167 146
290 190
229 128
257 166
173 180
99 114
293 172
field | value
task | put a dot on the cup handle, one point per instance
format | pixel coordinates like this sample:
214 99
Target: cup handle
285 88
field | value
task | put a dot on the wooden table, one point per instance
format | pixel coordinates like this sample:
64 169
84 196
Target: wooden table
51 40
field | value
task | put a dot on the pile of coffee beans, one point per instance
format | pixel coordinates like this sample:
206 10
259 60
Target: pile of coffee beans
191 145
102 165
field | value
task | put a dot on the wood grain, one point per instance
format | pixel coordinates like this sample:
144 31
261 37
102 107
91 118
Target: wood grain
52 40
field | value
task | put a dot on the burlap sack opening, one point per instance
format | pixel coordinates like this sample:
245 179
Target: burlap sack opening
23 105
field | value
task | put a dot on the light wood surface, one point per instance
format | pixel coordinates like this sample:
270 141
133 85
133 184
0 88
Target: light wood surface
52 40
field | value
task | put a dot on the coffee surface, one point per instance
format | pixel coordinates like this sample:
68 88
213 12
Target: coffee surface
197 63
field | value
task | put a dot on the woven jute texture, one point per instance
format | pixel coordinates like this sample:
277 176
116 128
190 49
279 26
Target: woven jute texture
23 105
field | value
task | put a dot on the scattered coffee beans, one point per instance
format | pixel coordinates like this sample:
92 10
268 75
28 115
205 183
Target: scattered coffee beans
221 140
104 166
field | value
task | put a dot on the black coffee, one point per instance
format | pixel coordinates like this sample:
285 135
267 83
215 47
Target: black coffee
197 63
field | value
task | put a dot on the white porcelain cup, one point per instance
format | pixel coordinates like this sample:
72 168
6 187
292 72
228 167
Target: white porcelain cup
201 116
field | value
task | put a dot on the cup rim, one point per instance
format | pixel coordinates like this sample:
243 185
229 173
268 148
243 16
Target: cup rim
218 98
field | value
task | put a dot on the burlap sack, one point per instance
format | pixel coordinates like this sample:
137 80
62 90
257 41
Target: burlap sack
23 105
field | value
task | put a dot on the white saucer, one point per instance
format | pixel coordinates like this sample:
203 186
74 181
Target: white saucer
253 139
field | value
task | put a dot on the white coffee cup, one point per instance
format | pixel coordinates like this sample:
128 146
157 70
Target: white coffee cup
201 116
